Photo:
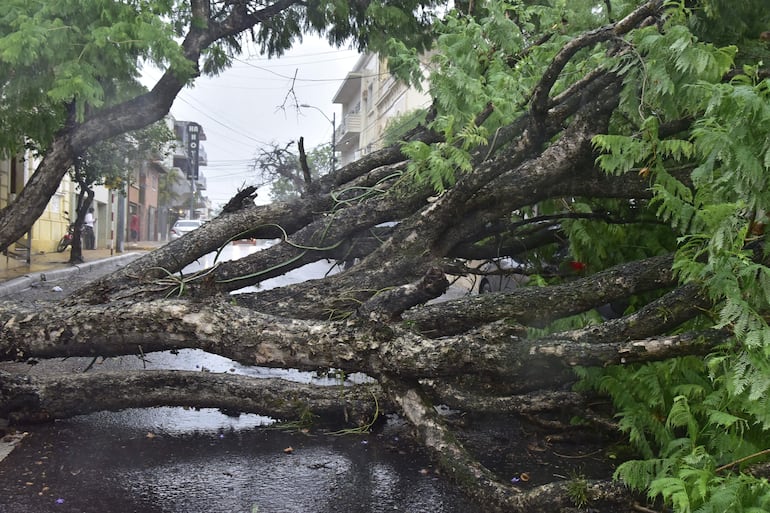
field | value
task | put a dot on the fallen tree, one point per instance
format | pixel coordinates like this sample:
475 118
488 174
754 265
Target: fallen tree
531 190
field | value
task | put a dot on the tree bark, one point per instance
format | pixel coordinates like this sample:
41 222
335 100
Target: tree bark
476 480
524 305
353 345
25 399
477 353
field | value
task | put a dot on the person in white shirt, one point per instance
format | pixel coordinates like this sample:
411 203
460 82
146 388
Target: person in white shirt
89 235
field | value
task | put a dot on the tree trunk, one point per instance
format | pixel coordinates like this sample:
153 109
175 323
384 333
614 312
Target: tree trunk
500 353
45 398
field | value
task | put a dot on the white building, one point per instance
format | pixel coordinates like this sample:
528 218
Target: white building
371 96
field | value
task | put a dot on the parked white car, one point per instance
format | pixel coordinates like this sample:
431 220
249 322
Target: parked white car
184 226
502 276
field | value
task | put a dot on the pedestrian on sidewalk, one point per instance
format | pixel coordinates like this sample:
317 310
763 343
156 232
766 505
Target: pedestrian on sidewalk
88 233
134 226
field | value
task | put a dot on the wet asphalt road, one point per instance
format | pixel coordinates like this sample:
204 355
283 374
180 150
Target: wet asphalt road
174 460
97 464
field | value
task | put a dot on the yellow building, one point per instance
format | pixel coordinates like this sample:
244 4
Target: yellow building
53 223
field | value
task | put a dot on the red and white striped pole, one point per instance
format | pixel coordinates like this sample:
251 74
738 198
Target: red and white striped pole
112 223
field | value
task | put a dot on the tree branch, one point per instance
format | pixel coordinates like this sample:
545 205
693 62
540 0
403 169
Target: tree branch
524 305
540 95
26 399
351 345
477 481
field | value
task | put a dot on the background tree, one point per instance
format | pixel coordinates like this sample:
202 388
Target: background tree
630 138
108 163
60 61
281 168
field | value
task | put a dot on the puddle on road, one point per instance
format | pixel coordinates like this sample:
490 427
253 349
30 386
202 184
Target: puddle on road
107 462
312 479
174 421
177 460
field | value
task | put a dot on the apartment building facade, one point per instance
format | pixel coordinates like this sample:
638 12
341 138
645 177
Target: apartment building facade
370 97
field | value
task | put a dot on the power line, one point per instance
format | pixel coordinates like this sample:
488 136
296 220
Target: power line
225 162
276 64
296 79
336 51
221 123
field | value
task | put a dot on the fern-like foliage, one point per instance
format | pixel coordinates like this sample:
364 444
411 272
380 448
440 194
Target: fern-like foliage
688 426
704 416
693 120
471 70
441 163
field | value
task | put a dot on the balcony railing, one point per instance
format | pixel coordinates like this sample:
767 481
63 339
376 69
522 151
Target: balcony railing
350 128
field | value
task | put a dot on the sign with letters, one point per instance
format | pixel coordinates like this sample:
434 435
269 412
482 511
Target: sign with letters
193 142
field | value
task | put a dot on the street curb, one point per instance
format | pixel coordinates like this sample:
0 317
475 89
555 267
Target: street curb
9 442
29 280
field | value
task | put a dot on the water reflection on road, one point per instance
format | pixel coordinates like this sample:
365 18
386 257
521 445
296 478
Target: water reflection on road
77 466
177 460
232 251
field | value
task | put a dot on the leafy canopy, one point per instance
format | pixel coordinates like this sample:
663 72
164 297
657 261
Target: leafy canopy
703 68
62 61
62 58
106 162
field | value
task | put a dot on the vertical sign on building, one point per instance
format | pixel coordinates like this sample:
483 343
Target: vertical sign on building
192 147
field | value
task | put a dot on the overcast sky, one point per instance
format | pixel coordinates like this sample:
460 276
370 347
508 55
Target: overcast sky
240 110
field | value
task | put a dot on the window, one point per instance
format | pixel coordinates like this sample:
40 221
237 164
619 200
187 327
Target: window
369 99
55 204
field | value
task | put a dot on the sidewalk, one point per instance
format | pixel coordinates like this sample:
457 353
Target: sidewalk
18 275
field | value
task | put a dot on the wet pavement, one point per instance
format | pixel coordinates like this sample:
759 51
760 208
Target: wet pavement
112 462
18 276
176 460
12 268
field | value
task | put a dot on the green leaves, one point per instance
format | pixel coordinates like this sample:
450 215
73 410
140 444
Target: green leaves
620 153
106 162
672 59
479 62
726 149
440 164
690 429
59 54
694 122
65 57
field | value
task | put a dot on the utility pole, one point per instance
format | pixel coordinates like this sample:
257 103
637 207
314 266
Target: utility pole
334 141
192 199
333 121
